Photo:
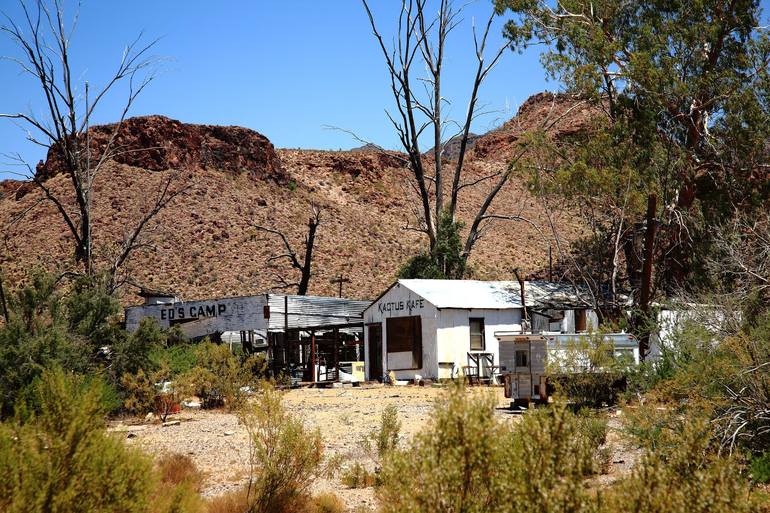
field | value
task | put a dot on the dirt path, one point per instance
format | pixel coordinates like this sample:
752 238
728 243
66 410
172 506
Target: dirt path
218 444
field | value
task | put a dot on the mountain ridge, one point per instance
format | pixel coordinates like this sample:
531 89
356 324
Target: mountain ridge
205 245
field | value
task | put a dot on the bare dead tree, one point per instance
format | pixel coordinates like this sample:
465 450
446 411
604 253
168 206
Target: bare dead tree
420 41
304 266
43 37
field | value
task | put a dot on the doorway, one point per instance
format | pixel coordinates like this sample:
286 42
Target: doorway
375 351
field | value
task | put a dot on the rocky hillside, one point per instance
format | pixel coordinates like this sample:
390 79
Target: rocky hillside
204 244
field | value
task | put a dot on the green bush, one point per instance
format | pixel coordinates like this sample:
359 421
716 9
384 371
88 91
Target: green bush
445 259
357 476
685 476
222 378
131 352
456 463
178 357
384 439
36 336
760 468
286 458
140 393
60 459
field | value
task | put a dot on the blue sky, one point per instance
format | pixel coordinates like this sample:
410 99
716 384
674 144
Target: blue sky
285 69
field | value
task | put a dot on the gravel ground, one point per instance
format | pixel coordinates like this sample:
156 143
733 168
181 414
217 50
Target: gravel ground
217 443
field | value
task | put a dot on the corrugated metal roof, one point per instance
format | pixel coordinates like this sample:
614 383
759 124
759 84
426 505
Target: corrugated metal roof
493 295
313 311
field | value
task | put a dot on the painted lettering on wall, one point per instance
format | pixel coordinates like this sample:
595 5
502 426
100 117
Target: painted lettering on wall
193 312
400 305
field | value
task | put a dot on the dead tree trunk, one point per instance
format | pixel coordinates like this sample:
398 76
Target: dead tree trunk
306 264
420 43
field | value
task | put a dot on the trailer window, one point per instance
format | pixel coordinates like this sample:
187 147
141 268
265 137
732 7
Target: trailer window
522 358
477 333
404 334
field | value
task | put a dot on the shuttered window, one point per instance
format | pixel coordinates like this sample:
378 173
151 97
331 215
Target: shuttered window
404 334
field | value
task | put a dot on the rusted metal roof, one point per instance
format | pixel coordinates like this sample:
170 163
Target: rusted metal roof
313 311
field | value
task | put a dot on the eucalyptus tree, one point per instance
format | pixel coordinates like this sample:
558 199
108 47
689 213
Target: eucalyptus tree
683 91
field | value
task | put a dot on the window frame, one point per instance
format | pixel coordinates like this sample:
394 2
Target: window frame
480 320
524 352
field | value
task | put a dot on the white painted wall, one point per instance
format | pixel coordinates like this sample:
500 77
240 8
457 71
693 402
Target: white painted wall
402 302
454 335
445 333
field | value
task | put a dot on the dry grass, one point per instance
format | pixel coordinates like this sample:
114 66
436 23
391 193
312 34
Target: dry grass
233 502
238 502
178 469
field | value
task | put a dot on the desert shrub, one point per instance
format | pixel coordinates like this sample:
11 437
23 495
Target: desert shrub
687 476
357 476
178 469
91 310
152 392
179 484
178 357
285 457
548 457
236 501
589 389
445 260
60 459
742 416
140 393
592 426
222 377
327 503
132 351
376 444
382 440
465 459
760 468
36 336
454 464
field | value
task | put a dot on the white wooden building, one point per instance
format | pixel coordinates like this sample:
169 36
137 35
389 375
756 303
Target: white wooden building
435 328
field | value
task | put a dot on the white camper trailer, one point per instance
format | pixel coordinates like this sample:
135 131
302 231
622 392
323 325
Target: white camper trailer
524 358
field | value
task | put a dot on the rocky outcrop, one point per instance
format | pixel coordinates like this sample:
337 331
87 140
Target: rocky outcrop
157 143
562 114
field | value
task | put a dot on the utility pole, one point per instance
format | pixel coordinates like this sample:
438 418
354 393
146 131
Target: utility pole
340 279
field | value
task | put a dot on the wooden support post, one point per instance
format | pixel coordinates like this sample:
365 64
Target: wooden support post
312 357
285 328
336 332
